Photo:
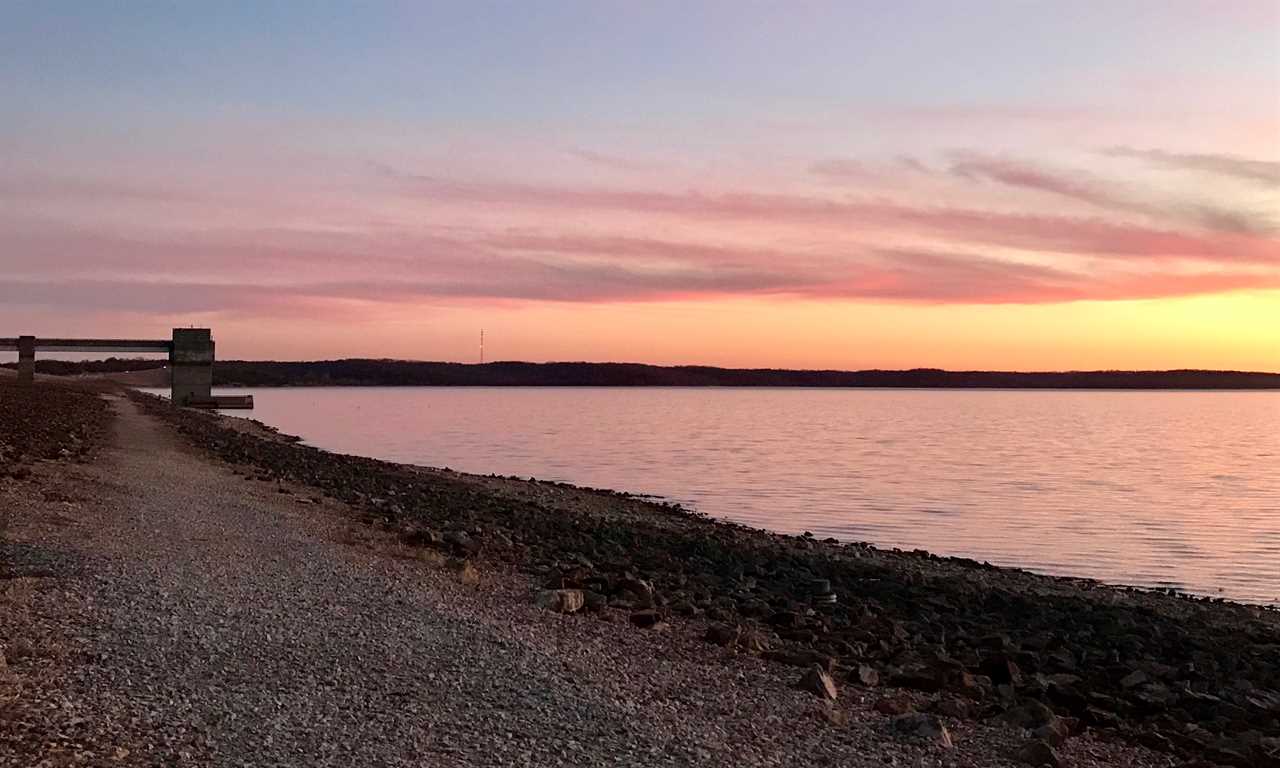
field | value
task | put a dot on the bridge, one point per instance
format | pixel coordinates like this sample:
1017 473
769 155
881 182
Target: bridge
190 353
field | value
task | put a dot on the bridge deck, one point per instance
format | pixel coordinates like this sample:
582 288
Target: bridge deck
94 345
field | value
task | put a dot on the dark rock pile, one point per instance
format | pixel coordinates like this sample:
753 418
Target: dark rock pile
1196 678
47 421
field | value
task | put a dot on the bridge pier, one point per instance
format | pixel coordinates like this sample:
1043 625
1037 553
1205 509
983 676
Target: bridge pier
26 359
191 366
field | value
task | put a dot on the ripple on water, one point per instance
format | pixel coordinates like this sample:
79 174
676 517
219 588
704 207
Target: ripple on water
1123 487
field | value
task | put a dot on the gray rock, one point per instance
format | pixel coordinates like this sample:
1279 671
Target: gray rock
868 676
562 600
920 725
722 634
1039 754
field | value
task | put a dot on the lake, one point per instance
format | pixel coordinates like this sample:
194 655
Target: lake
1178 490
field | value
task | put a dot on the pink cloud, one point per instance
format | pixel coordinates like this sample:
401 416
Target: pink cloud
532 267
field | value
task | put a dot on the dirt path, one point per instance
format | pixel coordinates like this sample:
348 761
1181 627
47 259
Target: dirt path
174 613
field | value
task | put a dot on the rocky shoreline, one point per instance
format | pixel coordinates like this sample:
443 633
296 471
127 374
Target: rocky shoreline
1197 679
45 423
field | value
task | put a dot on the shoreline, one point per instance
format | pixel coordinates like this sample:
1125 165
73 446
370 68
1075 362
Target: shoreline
983 641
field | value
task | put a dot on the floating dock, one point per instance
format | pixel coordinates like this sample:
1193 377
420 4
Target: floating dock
222 402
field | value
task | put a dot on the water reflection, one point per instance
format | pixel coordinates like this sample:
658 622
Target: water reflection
1160 489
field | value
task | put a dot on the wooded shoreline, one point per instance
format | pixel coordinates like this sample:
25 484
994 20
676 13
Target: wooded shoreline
366 372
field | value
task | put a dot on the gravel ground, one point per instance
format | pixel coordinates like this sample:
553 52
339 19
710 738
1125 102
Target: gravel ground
160 610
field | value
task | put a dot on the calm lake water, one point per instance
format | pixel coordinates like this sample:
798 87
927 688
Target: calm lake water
1169 489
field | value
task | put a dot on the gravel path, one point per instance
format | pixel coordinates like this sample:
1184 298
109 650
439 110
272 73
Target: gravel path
173 613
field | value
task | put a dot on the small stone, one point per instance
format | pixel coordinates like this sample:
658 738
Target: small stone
1134 679
957 707
640 592
645 619
594 601
1039 754
802 657
924 726
784 619
868 676
832 715
722 634
562 600
467 573
1030 714
1002 670
819 683
1053 733
686 608
753 641
894 705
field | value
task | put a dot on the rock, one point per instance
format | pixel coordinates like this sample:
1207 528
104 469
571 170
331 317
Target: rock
1031 714
1002 670
868 676
722 634
894 705
646 619
955 706
803 657
784 619
686 608
462 541
1101 718
562 600
752 641
640 592
594 602
960 681
1038 753
919 725
819 683
1134 679
832 715
1053 733
917 677
467 573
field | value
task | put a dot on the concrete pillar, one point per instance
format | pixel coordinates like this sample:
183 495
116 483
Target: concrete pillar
191 365
26 359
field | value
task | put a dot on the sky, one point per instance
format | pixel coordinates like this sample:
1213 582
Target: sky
989 184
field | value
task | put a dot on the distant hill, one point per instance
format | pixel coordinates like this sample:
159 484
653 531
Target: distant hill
359 372
508 374
82 367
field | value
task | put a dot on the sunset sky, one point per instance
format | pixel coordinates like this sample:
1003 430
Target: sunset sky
1024 185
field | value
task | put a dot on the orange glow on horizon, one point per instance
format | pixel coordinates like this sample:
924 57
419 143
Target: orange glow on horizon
1237 331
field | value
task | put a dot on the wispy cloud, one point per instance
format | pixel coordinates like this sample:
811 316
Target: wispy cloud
843 169
614 162
1266 172
1093 236
1026 175
561 267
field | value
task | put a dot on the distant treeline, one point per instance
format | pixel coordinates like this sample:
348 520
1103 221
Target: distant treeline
78 367
255 373
510 374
